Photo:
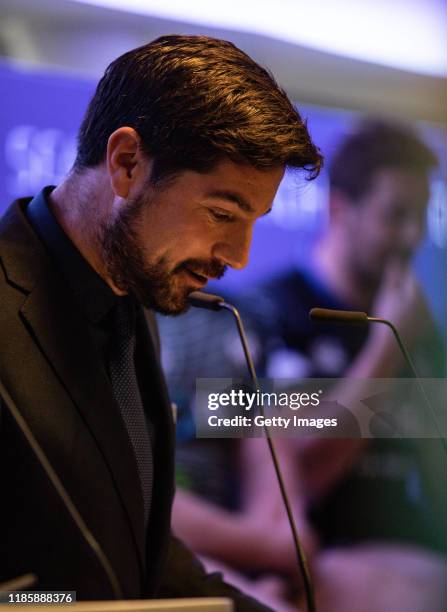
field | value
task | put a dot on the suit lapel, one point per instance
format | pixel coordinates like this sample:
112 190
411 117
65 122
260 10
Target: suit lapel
62 335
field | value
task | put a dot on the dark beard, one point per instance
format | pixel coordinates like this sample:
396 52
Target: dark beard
153 285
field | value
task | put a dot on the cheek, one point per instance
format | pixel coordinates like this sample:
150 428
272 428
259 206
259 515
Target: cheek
181 247
195 242
379 247
371 244
375 232
173 238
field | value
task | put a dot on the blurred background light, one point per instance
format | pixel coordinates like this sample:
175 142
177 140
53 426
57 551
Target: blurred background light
406 34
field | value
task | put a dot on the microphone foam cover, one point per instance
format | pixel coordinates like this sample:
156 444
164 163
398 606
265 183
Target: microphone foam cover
200 299
327 315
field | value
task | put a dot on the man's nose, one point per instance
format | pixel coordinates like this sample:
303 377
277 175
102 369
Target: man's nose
235 249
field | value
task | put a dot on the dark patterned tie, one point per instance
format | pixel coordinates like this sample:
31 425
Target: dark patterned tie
127 393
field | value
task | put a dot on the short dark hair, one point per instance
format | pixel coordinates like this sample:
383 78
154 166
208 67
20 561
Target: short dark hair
374 145
195 100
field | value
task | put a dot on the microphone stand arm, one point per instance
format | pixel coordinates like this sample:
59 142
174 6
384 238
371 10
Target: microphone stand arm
414 373
301 555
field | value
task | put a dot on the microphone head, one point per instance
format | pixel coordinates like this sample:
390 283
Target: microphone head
326 315
200 299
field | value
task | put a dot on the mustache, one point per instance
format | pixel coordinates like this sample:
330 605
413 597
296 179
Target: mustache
211 269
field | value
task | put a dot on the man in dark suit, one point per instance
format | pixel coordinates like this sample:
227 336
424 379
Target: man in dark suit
182 149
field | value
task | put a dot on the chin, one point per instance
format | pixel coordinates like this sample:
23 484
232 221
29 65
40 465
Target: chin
170 304
173 309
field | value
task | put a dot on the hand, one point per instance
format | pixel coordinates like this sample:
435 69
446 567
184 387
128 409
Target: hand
400 300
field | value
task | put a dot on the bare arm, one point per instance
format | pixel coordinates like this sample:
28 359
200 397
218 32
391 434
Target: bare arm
245 540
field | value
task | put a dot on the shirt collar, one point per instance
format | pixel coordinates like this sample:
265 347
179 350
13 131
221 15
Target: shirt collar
94 296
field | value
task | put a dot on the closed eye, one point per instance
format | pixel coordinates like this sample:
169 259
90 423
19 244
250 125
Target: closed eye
222 216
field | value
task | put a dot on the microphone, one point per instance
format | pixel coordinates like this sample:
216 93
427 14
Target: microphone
25 581
205 300
200 299
352 317
325 315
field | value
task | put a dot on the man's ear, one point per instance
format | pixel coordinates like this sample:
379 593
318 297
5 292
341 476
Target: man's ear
126 163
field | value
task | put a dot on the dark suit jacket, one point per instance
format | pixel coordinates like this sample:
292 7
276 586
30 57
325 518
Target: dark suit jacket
53 374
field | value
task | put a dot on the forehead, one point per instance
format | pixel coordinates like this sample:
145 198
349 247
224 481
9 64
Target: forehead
399 187
246 173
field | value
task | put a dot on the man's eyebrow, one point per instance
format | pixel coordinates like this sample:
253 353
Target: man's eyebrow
223 194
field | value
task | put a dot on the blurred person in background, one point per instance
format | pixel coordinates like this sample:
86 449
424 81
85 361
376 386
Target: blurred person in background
355 491
346 492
